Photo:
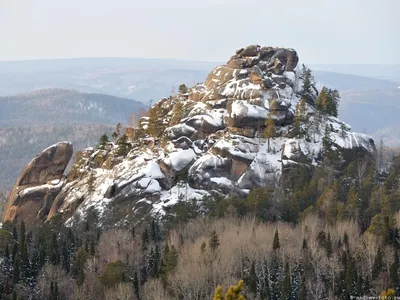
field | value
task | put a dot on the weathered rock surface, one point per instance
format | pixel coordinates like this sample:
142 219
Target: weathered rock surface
212 145
38 184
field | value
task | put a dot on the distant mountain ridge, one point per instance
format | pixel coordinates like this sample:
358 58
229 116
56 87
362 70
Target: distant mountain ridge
31 121
64 106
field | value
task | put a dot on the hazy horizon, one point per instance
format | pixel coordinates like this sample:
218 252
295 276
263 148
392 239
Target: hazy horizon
322 32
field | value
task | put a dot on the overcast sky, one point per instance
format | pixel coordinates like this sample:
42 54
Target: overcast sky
322 31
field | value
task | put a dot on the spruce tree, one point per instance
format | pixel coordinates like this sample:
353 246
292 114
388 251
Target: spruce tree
327 141
251 280
276 245
214 241
287 284
304 246
92 248
265 287
145 238
54 254
136 284
378 264
333 102
308 81
394 272
15 234
303 289
7 252
16 270
78 265
328 245
155 234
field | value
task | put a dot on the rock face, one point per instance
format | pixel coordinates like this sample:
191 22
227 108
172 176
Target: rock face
38 184
211 143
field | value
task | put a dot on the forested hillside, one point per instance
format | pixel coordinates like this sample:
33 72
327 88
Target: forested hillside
326 239
64 106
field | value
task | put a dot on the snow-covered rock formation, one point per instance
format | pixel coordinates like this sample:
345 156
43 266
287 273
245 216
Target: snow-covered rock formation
208 141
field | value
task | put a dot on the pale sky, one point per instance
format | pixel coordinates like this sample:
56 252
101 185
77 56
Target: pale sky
322 31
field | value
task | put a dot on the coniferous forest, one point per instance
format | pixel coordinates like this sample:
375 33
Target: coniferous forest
330 237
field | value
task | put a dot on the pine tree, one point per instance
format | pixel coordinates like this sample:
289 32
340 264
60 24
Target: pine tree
276 245
270 129
328 101
183 89
123 146
378 264
394 272
177 114
103 142
214 241
300 117
155 126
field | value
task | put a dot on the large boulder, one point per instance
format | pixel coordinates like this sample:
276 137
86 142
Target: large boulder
38 185
48 165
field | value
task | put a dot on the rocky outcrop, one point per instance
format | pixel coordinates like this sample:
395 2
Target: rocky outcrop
39 184
213 143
